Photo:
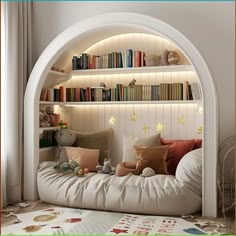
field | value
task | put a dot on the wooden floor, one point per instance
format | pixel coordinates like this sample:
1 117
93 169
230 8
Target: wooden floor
214 225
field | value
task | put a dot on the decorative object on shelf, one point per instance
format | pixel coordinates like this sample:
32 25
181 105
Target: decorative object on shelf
159 127
102 84
181 120
54 68
133 117
146 129
106 168
152 60
47 117
170 58
173 58
132 83
63 125
112 120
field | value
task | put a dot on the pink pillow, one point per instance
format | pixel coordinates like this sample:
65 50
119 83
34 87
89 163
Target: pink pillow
177 149
86 158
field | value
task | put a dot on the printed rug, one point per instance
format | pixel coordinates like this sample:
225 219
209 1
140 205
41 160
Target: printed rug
64 221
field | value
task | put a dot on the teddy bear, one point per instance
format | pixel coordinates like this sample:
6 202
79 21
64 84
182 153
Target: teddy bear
64 137
106 168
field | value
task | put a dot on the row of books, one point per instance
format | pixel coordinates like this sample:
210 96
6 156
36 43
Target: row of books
162 91
52 94
128 58
48 139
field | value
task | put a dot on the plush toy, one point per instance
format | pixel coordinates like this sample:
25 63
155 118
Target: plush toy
64 137
148 172
106 168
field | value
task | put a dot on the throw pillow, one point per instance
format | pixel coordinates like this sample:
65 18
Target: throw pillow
100 139
154 157
86 158
197 144
177 149
129 142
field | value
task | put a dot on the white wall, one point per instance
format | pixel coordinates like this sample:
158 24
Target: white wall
208 25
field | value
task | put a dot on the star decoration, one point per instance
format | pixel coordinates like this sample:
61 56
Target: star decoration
181 120
133 117
159 127
146 129
199 130
199 109
112 121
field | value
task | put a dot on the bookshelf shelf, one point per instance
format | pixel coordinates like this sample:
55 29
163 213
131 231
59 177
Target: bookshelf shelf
57 73
41 129
116 103
42 149
174 68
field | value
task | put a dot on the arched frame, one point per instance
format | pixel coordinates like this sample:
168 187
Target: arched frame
107 24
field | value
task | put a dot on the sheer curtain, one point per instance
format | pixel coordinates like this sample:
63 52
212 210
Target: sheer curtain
16 65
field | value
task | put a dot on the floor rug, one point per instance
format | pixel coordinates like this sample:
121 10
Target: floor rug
64 221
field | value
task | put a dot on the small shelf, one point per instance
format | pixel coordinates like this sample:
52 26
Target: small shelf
41 129
50 103
130 102
174 68
42 149
117 102
58 73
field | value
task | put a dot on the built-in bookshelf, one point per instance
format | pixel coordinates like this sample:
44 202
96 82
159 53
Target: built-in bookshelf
161 99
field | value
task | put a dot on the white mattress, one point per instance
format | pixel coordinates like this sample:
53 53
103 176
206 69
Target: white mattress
159 194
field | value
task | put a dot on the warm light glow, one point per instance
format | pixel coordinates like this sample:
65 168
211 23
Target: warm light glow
146 129
181 120
112 121
159 127
199 109
133 117
199 130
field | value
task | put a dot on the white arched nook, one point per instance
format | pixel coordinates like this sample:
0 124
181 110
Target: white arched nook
90 31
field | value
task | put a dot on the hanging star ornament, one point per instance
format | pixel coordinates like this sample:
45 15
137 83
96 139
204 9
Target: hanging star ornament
112 121
199 130
146 129
133 117
181 120
159 127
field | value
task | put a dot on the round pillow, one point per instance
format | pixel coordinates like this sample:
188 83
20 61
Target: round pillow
189 170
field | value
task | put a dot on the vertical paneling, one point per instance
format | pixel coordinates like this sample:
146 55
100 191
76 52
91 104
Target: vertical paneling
95 117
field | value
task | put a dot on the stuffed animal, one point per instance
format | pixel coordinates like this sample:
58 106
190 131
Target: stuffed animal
106 168
64 137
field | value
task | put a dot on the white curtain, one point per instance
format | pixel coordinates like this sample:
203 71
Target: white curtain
16 64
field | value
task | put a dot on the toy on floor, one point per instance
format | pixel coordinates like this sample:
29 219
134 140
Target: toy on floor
106 168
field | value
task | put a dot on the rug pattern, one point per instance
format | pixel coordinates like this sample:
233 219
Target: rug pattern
64 221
